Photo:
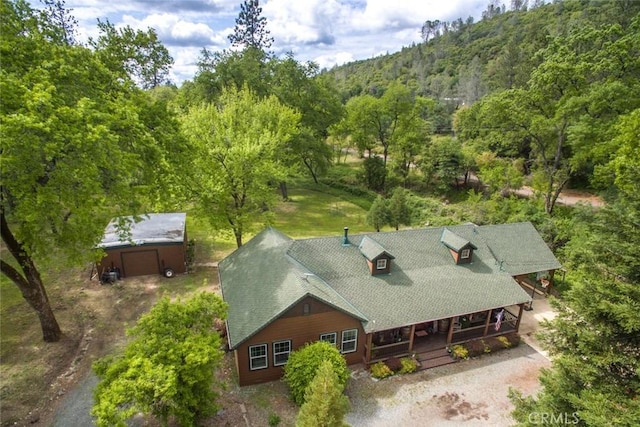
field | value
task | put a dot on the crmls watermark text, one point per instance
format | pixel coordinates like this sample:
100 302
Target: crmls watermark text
545 418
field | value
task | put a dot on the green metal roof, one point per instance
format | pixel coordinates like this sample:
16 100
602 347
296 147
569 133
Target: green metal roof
372 249
269 274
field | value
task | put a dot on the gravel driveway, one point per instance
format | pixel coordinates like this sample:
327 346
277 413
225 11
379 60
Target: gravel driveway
472 392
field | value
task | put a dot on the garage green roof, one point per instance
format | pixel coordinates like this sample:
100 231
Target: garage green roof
272 272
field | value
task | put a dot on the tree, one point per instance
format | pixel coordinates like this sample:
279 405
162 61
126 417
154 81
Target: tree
595 338
325 405
300 87
61 20
500 174
303 364
444 162
378 215
373 173
251 27
168 367
238 147
399 212
137 54
74 154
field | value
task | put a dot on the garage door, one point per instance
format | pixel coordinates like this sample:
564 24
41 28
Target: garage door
139 263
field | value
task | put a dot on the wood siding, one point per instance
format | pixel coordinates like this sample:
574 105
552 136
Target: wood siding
373 264
137 259
300 329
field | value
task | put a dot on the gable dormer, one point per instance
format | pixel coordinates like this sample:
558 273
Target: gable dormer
461 249
378 259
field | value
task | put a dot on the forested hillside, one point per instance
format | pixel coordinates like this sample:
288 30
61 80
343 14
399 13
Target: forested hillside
464 60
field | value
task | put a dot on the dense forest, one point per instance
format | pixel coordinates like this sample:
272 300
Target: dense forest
543 95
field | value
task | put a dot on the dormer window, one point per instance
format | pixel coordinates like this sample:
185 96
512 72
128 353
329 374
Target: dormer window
460 248
378 259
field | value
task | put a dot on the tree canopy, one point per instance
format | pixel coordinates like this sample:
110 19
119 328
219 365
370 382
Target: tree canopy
238 143
168 368
78 148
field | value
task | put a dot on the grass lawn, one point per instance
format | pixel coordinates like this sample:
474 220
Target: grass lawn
315 212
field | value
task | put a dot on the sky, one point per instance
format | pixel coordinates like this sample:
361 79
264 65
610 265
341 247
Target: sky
328 32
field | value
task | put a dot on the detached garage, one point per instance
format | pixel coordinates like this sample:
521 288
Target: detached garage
155 245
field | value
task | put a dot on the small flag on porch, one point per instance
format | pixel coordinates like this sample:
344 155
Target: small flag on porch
499 319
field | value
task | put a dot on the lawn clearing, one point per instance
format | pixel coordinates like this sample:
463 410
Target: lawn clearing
313 213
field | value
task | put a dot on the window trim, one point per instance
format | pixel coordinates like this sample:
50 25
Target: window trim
466 252
335 338
354 341
384 263
275 354
253 358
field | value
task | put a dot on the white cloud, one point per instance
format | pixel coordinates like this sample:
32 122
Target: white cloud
328 32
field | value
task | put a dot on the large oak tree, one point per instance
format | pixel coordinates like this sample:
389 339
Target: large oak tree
239 142
76 150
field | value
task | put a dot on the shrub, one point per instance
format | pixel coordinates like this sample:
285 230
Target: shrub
460 352
505 341
394 364
274 420
476 348
303 364
380 370
408 365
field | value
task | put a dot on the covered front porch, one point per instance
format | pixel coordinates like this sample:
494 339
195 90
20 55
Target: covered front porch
433 336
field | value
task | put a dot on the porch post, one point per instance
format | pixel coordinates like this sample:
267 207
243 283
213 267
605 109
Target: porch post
519 317
450 333
413 331
486 323
369 342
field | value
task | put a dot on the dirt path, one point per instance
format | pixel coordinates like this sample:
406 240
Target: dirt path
567 197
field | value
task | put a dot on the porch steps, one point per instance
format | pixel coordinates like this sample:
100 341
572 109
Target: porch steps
434 358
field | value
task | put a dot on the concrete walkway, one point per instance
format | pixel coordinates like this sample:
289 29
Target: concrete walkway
530 322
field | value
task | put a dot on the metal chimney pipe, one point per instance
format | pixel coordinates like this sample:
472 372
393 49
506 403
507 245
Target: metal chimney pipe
345 239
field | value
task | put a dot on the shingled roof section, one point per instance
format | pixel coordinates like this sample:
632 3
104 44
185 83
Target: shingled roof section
453 241
372 249
259 282
266 276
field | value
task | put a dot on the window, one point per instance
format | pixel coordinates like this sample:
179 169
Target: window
306 309
349 341
381 264
281 350
331 337
465 253
258 357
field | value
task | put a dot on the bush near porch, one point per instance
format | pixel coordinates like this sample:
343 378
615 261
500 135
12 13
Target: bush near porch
491 344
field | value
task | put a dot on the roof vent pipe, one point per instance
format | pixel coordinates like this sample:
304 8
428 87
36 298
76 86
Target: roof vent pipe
345 239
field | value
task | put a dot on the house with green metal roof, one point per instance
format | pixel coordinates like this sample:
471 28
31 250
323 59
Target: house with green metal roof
376 295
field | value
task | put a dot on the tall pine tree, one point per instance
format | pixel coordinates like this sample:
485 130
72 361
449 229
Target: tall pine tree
251 27
325 405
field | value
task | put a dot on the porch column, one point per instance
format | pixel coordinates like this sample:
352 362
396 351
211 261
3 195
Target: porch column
486 323
450 333
369 342
413 331
519 317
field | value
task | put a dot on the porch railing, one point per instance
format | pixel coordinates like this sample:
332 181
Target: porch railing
381 352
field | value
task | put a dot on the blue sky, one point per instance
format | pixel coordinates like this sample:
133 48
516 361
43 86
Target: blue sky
329 32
